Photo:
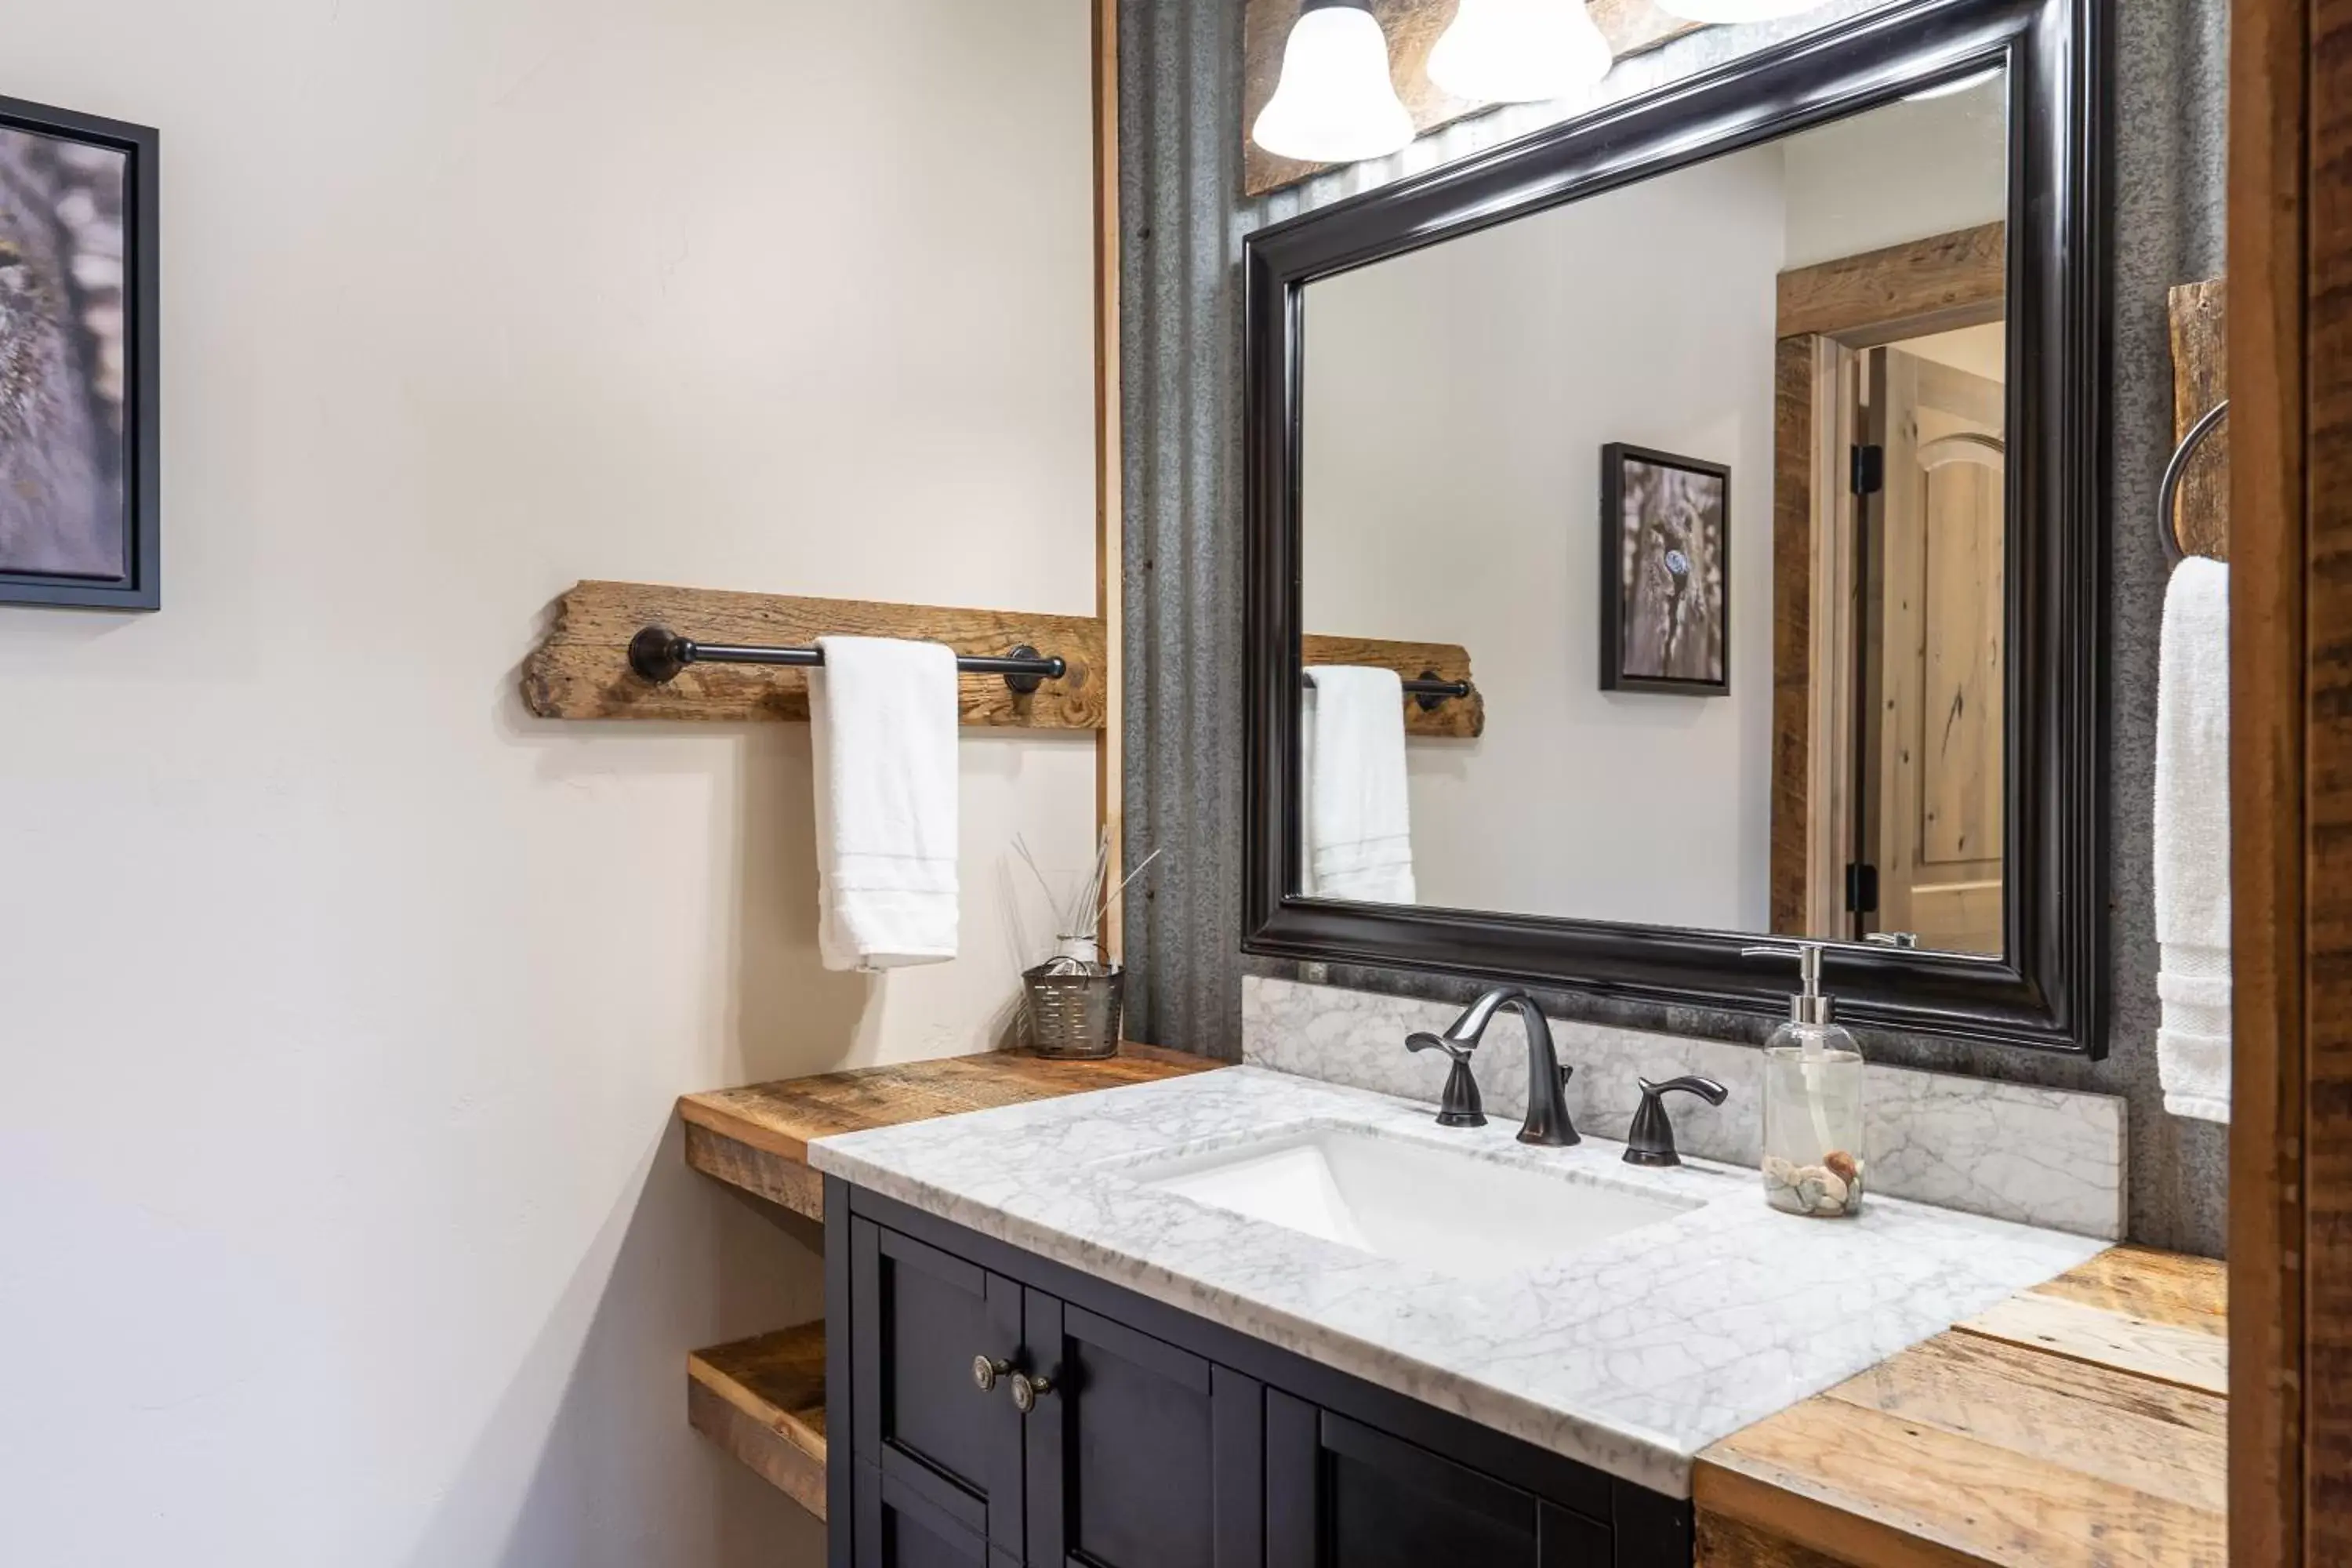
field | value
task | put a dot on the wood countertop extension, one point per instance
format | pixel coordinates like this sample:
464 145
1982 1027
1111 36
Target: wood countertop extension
757 1138
2078 1425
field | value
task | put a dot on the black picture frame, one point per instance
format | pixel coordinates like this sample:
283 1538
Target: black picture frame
2048 988
140 586
1613 588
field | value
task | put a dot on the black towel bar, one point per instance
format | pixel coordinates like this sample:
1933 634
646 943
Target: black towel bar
657 654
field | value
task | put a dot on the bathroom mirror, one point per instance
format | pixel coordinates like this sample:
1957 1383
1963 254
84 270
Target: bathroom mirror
1709 489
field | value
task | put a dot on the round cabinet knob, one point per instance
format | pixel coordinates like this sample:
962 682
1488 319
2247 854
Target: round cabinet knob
986 1369
1027 1391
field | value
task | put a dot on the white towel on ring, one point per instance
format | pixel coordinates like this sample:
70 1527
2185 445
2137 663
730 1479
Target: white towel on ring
2192 842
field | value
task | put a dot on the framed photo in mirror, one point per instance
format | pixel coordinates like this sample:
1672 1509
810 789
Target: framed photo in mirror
1665 572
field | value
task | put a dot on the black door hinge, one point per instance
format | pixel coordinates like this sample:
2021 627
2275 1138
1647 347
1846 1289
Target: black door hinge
1862 889
1869 475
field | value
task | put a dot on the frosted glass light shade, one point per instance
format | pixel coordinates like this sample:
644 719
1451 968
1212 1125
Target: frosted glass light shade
1519 51
1334 103
1734 10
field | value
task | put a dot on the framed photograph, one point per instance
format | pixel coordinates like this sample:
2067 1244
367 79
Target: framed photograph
1665 572
80 485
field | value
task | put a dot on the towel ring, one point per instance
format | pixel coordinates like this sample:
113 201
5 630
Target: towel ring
2168 495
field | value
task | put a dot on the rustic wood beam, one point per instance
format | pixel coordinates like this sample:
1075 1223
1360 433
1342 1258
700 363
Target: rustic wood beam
2201 378
581 669
1933 285
1459 718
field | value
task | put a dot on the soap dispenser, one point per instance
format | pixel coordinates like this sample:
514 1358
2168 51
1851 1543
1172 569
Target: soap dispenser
1813 1102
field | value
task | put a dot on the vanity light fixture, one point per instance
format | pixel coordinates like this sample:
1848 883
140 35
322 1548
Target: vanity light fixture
1733 11
1519 51
1334 103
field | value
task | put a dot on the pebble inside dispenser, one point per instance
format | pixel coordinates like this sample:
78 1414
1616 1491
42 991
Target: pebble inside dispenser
1813 1103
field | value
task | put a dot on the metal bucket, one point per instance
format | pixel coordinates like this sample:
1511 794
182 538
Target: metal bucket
1074 1009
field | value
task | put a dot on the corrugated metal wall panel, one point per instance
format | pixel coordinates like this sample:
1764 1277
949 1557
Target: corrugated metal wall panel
1181 330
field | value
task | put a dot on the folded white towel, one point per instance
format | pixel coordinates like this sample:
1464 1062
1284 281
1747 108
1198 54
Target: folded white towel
2192 841
1356 843
883 717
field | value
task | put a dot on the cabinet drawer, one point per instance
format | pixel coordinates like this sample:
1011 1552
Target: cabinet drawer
897 1528
1339 1492
919 1424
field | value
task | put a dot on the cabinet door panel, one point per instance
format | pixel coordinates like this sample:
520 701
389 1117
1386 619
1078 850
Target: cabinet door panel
920 1421
1143 1456
1339 1492
898 1528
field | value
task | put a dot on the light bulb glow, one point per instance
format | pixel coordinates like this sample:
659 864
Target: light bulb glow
1334 103
1519 51
1721 11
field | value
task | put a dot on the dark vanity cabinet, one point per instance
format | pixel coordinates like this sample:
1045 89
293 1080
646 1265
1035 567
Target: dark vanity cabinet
1003 1410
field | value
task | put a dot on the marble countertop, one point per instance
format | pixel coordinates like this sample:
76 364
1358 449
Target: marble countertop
1630 1354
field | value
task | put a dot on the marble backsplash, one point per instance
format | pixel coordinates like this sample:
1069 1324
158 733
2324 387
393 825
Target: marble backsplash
2039 1156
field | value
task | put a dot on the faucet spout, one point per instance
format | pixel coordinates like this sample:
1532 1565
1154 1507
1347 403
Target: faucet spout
1547 1121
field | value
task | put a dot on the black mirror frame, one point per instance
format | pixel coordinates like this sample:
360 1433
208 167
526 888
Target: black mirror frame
2049 990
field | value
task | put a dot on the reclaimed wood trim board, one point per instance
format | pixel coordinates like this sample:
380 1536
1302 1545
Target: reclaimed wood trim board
1110 471
1457 718
1414 28
1945 282
762 1400
1792 636
2201 378
580 670
2290 1185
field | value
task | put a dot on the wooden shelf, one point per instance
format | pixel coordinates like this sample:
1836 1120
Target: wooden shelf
2076 1425
762 1400
757 1138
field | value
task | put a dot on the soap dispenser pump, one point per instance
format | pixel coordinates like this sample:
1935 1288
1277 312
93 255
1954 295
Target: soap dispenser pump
1812 1101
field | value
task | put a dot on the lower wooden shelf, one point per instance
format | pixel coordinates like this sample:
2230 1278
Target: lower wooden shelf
762 1400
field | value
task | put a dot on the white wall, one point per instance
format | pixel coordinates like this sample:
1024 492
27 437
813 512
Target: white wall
344 1003
1905 170
1456 403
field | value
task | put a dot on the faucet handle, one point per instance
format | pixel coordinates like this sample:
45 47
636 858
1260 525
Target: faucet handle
1460 1107
1651 1140
1423 1040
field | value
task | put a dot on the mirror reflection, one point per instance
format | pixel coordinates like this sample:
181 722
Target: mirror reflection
1694 492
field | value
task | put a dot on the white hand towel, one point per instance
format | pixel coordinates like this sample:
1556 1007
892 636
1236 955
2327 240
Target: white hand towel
2192 842
1356 843
883 718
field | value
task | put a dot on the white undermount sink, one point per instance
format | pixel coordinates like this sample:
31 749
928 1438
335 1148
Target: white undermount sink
1457 1213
